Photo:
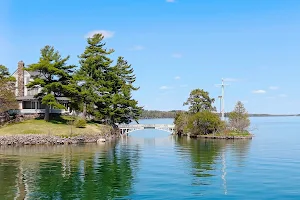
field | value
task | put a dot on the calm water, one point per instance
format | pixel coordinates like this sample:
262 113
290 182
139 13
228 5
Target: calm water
151 164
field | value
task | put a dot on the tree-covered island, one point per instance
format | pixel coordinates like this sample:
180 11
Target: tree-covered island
201 119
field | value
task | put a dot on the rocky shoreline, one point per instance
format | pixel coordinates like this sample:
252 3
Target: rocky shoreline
52 140
225 137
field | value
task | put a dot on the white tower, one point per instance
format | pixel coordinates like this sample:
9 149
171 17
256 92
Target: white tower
222 99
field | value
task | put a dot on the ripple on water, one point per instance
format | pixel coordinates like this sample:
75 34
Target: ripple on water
163 167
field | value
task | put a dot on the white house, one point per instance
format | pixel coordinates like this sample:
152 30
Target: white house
28 104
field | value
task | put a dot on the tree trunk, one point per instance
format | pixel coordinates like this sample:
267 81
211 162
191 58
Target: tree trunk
47 113
84 111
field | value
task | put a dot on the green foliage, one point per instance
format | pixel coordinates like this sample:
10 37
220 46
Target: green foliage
4 73
239 118
151 114
199 100
181 121
104 89
200 123
80 123
7 95
54 78
205 122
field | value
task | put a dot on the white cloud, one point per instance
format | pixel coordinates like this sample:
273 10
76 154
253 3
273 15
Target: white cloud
177 55
273 88
164 87
259 91
137 48
184 85
170 1
107 34
283 95
177 77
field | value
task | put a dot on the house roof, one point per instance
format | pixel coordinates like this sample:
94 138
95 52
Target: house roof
33 73
33 98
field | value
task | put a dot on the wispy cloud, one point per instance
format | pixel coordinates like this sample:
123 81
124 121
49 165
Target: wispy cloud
107 34
177 55
137 48
259 91
164 87
177 77
273 88
170 1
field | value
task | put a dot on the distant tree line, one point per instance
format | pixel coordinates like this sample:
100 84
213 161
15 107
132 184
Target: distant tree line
152 114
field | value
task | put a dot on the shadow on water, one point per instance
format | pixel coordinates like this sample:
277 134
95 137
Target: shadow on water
68 172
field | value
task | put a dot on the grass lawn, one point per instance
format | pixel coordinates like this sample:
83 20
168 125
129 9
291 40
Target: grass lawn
232 133
58 126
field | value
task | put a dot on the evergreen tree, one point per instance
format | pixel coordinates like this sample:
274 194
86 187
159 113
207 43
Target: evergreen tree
238 118
124 109
93 77
54 78
105 90
199 100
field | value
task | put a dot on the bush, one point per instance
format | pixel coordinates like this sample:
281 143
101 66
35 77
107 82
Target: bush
181 121
205 122
80 123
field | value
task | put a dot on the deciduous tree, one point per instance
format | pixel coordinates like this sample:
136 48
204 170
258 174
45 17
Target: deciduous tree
7 95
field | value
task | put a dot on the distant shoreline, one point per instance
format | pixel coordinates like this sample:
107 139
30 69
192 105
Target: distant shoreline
156 114
254 115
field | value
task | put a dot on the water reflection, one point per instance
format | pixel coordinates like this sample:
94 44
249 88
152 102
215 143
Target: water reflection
118 170
67 172
208 158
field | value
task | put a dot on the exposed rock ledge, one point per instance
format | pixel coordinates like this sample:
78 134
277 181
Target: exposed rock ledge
225 137
52 140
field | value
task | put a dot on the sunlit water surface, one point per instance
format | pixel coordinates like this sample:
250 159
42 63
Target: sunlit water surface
150 164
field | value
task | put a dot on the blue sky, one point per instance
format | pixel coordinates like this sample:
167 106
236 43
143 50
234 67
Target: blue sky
174 46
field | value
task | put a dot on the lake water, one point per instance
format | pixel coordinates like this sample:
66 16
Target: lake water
150 164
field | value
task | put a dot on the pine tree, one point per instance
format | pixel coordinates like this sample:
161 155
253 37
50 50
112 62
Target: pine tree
105 90
200 100
93 76
125 108
239 118
54 78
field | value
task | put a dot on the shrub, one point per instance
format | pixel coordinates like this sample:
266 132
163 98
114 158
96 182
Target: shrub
205 122
80 123
181 121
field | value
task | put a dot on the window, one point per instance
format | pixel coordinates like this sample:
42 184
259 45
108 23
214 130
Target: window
26 104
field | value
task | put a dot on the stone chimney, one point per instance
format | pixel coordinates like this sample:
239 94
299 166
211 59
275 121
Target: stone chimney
21 78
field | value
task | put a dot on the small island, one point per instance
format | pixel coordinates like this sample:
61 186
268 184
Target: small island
202 121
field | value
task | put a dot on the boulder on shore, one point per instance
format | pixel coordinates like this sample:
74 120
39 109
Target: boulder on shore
101 140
